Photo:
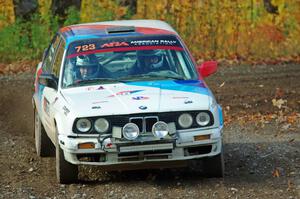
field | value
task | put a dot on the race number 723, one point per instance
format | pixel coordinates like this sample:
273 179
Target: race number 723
85 48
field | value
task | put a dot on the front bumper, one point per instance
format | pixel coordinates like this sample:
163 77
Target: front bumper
184 147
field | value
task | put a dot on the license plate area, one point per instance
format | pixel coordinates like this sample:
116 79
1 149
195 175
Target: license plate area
148 147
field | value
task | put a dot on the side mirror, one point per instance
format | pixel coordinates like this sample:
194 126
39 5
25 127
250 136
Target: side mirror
207 68
48 80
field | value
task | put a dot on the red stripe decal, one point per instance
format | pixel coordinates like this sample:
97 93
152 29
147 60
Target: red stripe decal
39 72
127 49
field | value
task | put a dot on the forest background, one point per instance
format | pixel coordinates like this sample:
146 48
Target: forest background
229 31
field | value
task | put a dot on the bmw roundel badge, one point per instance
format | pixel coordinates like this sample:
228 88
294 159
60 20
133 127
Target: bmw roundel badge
143 107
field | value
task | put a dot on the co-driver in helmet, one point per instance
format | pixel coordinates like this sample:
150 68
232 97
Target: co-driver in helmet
150 61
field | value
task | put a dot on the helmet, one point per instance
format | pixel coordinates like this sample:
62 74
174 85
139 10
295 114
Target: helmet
152 59
87 65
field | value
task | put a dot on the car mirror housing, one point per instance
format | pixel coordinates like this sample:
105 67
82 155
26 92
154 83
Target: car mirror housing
207 68
48 80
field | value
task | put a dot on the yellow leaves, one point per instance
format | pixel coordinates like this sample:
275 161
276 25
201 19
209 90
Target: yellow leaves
101 10
276 173
218 29
278 103
280 5
17 67
7 14
45 8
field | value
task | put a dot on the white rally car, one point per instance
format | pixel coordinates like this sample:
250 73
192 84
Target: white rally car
125 95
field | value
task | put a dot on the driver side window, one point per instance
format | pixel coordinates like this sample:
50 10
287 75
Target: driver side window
58 59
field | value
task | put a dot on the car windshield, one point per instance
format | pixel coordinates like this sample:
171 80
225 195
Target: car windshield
122 59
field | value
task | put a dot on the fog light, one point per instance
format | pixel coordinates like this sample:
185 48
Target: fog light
131 131
160 129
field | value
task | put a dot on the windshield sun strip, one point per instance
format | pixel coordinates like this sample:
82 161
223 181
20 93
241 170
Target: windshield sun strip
122 49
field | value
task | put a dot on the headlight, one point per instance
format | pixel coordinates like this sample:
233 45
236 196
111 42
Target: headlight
101 125
160 129
83 125
185 120
202 118
131 131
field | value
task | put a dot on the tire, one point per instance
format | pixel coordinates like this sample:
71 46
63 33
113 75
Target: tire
66 172
43 145
214 166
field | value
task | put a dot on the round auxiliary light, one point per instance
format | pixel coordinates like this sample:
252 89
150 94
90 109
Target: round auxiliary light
131 131
160 129
83 125
101 125
185 120
203 119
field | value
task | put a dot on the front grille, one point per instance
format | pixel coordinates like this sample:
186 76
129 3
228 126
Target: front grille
149 122
145 121
138 121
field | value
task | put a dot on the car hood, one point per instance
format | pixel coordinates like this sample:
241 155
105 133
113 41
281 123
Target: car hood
137 97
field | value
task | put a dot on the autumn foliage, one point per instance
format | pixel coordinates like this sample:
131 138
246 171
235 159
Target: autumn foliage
231 31
239 30
7 14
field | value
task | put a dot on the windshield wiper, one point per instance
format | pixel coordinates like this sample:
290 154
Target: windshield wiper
171 77
145 76
93 80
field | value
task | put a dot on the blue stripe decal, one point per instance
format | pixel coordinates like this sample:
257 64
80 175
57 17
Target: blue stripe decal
193 86
220 115
40 94
70 38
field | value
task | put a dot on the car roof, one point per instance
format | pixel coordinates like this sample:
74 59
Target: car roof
115 28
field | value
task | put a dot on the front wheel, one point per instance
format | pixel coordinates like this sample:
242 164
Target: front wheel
43 145
214 166
66 172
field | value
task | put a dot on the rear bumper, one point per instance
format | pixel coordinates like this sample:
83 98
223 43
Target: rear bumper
159 153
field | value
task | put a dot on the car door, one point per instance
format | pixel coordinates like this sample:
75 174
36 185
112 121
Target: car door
51 95
48 94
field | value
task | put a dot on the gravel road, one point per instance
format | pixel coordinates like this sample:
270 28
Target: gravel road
262 158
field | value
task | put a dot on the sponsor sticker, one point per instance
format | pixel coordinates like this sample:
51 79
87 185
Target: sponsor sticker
180 97
95 88
122 93
66 110
99 102
140 98
114 44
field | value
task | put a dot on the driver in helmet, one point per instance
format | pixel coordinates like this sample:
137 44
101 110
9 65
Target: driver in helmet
86 67
150 61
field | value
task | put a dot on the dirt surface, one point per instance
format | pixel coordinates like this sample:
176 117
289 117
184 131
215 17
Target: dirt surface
262 145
